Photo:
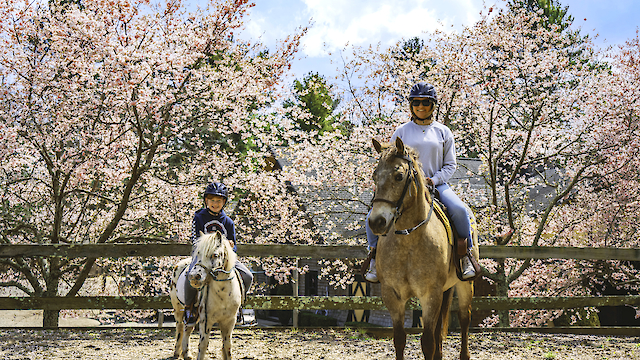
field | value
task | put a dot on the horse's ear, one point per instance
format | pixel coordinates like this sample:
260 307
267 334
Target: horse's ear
400 146
380 146
201 233
377 145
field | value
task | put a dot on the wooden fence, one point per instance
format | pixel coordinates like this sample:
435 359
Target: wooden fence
306 303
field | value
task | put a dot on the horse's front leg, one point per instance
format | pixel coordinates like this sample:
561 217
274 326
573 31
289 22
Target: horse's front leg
179 333
396 307
442 326
186 333
431 303
226 328
206 326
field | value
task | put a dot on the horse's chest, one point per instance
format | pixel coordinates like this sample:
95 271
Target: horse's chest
402 263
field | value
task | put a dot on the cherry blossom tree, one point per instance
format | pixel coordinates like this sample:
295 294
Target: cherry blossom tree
115 115
547 116
554 123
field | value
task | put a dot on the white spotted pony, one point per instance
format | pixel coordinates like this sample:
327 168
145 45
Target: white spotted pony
219 293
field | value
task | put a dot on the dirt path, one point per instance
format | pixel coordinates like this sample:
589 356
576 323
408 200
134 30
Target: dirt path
304 345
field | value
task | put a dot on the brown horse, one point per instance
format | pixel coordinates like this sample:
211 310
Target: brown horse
414 257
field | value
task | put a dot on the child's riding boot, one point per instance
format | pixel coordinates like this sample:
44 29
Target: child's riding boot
190 315
467 268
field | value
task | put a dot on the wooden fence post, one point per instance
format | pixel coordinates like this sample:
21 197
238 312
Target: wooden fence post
160 317
296 293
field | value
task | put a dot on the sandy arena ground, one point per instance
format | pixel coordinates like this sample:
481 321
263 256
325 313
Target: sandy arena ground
257 343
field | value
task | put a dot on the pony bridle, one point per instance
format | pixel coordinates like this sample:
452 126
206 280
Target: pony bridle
411 177
214 272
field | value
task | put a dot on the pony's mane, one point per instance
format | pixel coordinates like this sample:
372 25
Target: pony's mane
207 244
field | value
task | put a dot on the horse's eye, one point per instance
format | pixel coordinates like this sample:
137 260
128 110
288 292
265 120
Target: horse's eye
399 177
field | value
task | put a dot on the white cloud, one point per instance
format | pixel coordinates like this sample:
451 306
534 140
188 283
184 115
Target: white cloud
338 22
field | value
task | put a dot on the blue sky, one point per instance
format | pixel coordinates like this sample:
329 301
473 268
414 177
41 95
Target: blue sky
361 23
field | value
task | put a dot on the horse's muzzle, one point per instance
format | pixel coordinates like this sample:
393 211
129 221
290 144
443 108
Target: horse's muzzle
379 225
197 278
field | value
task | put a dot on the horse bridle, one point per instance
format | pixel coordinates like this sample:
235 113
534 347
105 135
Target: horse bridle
411 177
214 272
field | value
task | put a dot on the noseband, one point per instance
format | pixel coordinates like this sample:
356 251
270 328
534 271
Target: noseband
412 174
214 272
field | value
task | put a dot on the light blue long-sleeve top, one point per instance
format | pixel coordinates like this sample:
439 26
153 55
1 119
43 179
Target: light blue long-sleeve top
435 146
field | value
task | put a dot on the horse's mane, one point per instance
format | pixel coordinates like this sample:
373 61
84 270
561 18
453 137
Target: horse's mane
207 244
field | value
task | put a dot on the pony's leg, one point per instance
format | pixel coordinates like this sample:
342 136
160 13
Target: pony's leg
178 314
396 306
206 325
431 303
226 328
464 290
186 334
442 327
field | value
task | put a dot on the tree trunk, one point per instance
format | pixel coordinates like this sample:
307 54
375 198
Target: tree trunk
51 318
502 289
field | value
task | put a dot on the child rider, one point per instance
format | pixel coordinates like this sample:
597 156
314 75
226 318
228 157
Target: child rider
207 220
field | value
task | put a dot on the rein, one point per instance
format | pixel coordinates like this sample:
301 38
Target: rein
411 178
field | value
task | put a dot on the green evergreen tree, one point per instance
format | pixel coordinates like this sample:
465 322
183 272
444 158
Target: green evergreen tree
553 12
313 95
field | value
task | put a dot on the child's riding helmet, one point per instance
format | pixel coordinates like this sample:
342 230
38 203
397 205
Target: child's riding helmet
217 188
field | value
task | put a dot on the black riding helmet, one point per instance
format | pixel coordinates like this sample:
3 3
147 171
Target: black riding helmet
423 90
217 188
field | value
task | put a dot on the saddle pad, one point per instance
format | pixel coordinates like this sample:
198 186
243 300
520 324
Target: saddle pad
445 221
180 286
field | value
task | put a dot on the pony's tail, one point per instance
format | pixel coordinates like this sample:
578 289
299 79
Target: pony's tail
443 321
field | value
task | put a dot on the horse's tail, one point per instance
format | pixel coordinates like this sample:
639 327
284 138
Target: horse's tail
443 321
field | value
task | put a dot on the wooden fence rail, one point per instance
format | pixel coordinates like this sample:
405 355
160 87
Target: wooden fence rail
306 251
311 302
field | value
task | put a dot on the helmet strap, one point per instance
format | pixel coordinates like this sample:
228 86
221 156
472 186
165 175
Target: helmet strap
215 213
